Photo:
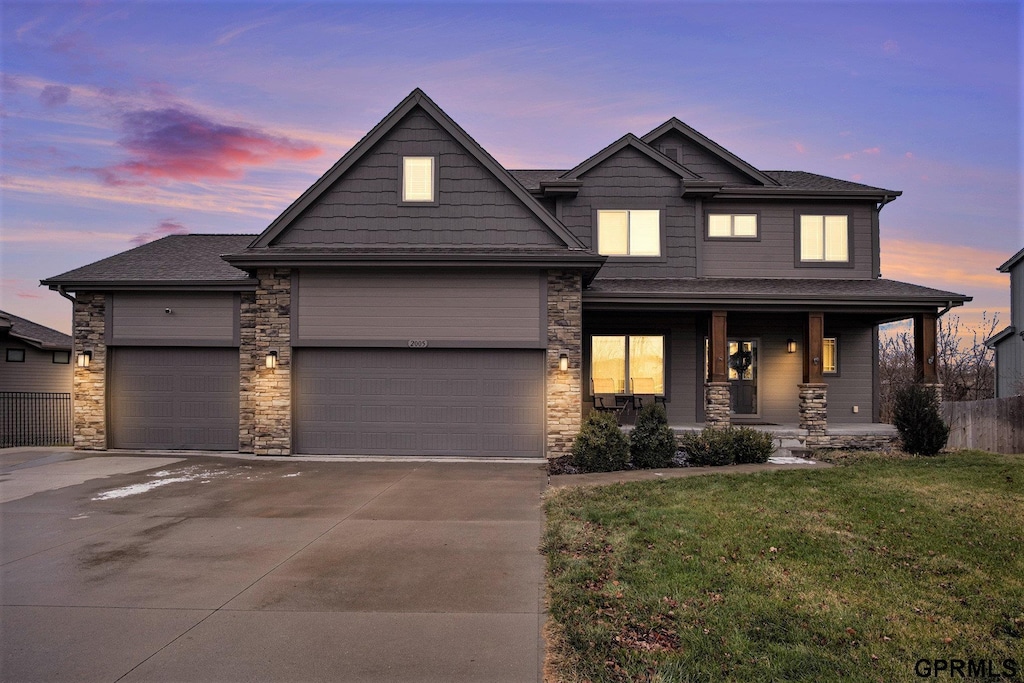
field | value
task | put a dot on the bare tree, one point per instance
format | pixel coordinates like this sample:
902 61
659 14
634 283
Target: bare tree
965 365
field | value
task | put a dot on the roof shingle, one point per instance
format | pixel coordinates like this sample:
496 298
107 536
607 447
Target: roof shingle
35 334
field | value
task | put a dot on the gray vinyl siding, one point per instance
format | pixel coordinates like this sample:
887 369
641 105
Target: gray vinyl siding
364 208
471 308
196 319
697 159
37 373
853 385
1010 366
775 253
1017 295
630 180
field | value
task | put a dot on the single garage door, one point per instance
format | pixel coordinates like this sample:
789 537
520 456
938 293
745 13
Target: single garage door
477 402
178 398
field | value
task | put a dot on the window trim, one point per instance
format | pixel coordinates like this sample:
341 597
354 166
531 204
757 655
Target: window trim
797 235
11 355
434 180
731 211
630 258
62 362
666 368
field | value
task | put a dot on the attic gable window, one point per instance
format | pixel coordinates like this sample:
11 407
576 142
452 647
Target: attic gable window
732 225
418 179
634 232
824 238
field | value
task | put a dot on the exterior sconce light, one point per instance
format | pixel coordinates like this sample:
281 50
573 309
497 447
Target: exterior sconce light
931 360
84 358
791 345
563 362
271 359
817 360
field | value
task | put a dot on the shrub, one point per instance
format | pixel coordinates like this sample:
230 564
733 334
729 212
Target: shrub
600 445
916 416
652 443
710 446
750 445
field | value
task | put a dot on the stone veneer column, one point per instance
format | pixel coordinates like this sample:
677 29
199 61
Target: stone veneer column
564 404
267 392
717 404
814 413
248 375
90 384
935 389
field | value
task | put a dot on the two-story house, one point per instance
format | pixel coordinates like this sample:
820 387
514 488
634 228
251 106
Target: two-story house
1009 342
419 298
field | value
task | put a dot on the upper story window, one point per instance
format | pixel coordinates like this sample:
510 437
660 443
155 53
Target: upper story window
732 225
418 179
633 232
824 238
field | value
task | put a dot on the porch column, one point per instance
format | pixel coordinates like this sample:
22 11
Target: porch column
926 370
814 391
716 389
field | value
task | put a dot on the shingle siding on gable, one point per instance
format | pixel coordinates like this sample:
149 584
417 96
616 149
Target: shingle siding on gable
774 254
693 157
629 180
364 208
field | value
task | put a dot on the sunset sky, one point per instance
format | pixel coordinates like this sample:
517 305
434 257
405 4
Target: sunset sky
123 122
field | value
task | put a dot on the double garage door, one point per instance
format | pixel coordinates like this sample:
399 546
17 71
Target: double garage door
464 402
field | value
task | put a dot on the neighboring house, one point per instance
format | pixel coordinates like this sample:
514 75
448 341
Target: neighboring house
1009 343
35 384
419 298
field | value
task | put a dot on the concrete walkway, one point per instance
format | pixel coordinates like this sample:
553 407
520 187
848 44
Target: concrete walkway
209 569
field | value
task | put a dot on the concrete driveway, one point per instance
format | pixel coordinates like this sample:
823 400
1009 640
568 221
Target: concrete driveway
216 569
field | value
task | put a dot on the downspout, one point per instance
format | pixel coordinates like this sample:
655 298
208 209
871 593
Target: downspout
60 290
876 234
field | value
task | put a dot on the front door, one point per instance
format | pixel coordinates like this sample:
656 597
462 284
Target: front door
743 376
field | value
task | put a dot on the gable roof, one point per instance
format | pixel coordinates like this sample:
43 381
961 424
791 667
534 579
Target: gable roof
175 260
1005 333
417 98
712 147
630 140
1011 262
34 334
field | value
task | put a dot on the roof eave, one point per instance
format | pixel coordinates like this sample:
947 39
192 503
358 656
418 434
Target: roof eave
248 284
706 299
1005 333
1011 262
796 193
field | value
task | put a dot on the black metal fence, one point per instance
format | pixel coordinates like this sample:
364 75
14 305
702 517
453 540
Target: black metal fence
31 418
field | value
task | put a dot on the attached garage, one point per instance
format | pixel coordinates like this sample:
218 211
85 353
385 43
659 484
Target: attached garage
461 402
174 398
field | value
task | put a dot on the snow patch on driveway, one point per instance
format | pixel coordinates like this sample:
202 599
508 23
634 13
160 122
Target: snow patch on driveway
161 478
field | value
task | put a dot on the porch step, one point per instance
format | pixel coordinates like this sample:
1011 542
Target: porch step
792 446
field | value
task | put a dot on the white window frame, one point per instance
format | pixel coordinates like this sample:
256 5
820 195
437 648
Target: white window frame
629 213
408 197
820 224
732 225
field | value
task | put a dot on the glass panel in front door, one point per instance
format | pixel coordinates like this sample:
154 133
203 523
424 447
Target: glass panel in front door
743 376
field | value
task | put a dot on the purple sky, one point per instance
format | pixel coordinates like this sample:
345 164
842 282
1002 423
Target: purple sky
123 122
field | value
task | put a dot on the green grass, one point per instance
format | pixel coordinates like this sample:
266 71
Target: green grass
852 573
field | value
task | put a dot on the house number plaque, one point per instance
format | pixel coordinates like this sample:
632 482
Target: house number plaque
417 343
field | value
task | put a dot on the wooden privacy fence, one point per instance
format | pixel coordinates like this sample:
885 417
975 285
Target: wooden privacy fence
33 418
995 425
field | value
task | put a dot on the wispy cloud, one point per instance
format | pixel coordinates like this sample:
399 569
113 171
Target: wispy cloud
165 228
965 268
228 36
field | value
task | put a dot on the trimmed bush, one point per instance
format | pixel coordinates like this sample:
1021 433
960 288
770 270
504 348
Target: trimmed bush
751 446
916 416
710 446
652 443
600 445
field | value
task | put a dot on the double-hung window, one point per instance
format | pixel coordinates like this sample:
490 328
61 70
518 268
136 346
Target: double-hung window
732 225
624 358
418 179
632 232
824 239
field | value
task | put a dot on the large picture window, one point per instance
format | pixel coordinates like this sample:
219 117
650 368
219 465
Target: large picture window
628 360
629 233
824 238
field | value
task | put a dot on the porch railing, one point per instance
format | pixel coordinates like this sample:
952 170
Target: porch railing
33 418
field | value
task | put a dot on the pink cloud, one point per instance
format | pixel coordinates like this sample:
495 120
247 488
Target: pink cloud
27 294
54 95
799 147
165 228
174 143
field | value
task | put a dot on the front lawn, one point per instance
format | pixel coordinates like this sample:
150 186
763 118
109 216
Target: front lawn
853 573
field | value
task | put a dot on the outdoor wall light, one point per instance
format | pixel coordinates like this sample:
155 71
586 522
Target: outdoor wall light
791 345
563 362
931 360
271 359
83 359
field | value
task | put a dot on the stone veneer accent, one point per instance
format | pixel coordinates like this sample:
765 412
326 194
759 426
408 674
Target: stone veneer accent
564 404
265 426
90 384
872 442
937 390
717 404
814 414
